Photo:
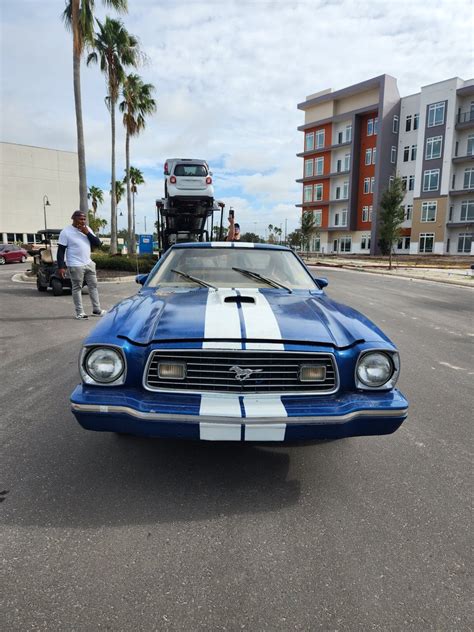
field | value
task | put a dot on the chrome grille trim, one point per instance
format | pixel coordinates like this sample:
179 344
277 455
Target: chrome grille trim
208 370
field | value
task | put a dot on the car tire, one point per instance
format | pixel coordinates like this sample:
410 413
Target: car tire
57 287
2 261
39 287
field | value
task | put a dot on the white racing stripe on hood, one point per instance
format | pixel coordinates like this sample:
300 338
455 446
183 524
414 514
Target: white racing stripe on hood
260 321
221 320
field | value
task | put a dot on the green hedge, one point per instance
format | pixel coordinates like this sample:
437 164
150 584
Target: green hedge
104 261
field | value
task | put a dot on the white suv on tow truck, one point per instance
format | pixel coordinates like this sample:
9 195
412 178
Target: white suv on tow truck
188 180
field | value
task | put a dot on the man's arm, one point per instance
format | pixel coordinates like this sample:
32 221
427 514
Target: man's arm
231 231
60 257
93 240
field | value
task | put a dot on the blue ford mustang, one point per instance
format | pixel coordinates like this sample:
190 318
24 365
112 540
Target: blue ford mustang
237 342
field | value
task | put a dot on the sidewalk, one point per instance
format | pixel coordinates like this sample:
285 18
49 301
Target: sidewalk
462 276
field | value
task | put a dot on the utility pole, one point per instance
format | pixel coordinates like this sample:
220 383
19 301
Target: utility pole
286 231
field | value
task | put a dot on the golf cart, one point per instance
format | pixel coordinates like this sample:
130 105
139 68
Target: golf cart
47 266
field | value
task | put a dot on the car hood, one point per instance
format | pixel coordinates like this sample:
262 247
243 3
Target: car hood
235 315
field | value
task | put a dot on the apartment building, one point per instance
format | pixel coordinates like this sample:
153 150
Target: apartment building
358 138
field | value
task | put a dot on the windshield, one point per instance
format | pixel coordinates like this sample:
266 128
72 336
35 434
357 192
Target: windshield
215 266
190 170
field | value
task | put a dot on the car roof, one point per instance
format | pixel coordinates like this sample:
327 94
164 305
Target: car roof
244 245
194 160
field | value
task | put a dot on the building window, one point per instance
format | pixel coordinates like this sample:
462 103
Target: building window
368 156
469 178
348 133
365 242
372 184
319 139
366 185
426 242
309 141
433 147
316 244
339 137
370 213
393 155
390 181
376 125
395 124
30 238
406 153
318 192
416 118
467 211
411 183
436 114
336 219
318 215
409 211
374 154
370 127
345 244
413 152
347 162
470 145
319 166
344 217
464 242
428 211
308 168
404 182
431 180
408 123
365 213
308 194
345 190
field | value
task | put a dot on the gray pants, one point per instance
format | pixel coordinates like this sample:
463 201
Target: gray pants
78 275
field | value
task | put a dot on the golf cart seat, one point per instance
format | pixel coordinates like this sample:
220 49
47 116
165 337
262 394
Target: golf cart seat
47 256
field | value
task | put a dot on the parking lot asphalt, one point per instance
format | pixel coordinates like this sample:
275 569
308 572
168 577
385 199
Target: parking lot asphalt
102 532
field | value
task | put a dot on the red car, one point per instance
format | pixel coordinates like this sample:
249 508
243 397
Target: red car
11 254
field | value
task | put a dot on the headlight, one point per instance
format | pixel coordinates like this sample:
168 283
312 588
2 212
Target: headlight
376 369
103 365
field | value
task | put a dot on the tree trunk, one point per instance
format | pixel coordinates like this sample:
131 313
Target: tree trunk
134 237
81 153
390 258
129 193
113 209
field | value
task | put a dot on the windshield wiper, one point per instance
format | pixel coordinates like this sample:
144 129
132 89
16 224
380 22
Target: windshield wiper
195 279
259 277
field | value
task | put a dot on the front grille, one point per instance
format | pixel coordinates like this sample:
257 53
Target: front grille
212 371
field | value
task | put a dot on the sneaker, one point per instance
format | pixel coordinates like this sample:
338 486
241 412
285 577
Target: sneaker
99 313
82 317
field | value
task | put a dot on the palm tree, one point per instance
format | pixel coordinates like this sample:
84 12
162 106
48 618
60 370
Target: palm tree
136 178
137 103
78 16
114 48
119 190
96 196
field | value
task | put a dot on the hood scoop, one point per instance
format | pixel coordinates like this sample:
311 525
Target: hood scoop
240 299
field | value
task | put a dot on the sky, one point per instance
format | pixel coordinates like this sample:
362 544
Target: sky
228 77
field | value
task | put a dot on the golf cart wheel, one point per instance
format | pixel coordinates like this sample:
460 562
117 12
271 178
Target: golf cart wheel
39 287
57 287
2 261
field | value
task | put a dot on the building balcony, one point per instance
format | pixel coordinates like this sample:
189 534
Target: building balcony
317 204
320 150
340 227
466 158
334 174
465 120
337 200
454 223
459 192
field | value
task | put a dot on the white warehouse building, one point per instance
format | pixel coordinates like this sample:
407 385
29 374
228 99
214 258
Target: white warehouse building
30 177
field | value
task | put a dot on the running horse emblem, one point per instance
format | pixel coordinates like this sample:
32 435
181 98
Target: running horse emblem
243 374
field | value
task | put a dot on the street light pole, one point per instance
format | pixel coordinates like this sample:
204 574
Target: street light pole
45 204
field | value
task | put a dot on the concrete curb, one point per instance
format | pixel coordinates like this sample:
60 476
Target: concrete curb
468 282
21 277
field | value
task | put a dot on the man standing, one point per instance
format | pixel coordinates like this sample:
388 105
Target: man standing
78 239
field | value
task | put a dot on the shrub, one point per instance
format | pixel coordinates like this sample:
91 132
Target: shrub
104 261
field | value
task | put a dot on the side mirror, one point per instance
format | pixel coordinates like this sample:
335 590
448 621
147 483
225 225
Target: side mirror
322 283
141 278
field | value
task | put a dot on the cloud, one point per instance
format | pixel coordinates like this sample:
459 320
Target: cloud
228 76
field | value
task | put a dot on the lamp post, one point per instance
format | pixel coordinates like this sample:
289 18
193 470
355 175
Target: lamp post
45 204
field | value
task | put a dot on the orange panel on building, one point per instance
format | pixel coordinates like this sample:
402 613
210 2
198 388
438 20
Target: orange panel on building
365 171
327 133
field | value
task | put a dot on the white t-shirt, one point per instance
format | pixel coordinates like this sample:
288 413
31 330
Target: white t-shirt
78 246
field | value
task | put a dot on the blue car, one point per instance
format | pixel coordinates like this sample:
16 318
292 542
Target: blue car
237 342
